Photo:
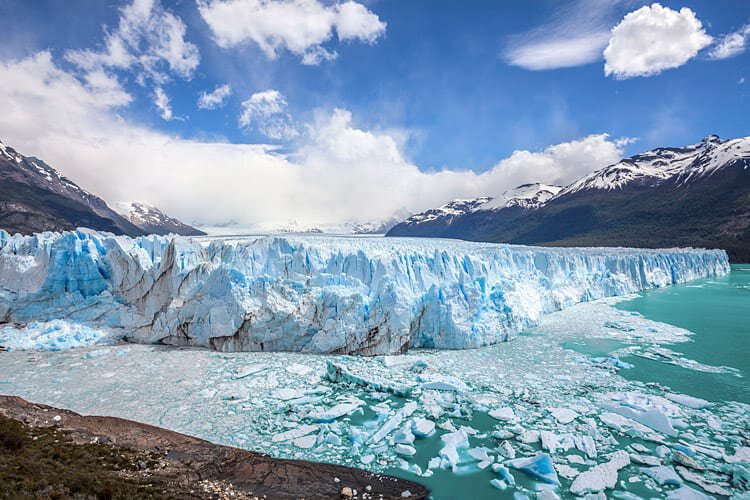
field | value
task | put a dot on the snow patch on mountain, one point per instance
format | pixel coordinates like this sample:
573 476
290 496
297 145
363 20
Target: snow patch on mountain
526 196
449 211
152 220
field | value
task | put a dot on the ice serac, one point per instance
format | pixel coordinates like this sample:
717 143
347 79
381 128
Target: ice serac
317 294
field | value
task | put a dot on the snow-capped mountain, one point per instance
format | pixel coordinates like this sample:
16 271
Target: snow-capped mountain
153 221
36 197
438 220
526 196
696 195
449 211
681 165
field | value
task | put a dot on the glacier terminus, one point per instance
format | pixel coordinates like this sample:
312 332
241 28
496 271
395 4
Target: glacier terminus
318 294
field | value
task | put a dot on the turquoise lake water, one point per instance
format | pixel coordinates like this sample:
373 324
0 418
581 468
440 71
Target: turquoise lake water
716 310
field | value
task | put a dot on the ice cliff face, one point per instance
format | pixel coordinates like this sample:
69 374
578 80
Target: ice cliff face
317 294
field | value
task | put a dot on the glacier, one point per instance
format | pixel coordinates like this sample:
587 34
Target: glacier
317 294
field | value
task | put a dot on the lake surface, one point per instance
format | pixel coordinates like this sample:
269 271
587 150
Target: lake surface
717 311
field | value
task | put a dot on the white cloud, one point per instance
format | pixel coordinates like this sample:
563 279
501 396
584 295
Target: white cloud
576 36
558 164
316 55
732 44
559 53
161 100
149 38
355 22
107 87
339 172
216 98
652 39
267 112
299 26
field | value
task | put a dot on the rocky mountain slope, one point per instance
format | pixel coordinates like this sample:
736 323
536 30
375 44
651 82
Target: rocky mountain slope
35 197
697 195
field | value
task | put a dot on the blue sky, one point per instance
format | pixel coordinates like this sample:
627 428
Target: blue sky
445 82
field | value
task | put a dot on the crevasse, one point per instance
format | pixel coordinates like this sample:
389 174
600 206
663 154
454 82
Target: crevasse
318 294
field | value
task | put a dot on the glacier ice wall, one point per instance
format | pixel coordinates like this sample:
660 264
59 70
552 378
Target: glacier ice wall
315 293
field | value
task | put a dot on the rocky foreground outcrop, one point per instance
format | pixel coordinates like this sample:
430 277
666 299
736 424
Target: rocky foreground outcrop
181 466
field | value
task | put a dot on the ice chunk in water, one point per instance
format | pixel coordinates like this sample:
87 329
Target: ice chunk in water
504 414
664 475
246 371
539 466
687 493
305 442
563 415
688 401
392 423
442 383
482 454
504 473
404 435
602 476
335 412
406 450
295 433
422 427
452 442
499 484
652 417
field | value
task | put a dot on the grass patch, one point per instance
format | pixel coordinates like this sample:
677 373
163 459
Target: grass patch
45 463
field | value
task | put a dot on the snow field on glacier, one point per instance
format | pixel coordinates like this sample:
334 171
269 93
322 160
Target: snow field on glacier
318 294
528 417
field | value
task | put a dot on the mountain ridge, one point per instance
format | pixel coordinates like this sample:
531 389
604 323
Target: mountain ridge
697 195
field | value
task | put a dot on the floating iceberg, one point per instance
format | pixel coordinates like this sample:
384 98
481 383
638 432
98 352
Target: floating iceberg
317 294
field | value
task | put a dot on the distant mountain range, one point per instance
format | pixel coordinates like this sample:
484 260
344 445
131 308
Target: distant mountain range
697 195
35 197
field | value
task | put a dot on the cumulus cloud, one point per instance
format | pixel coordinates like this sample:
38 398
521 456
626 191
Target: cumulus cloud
732 44
652 39
299 26
216 98
577 35
337 172
147 37
267 112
